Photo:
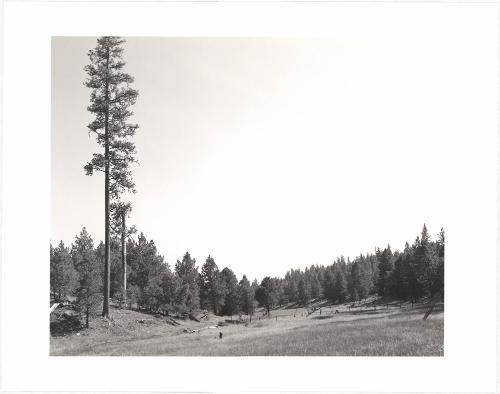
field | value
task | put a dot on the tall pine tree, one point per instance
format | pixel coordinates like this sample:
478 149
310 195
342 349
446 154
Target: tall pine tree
63 276
384 270
232 299
266 293
110 100
89 285
212 290
189 291
247 296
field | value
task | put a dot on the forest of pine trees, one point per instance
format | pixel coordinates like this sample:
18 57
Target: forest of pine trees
154 286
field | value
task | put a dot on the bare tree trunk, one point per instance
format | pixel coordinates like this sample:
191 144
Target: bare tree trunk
429 311
124 258
107 248
87 318
214 302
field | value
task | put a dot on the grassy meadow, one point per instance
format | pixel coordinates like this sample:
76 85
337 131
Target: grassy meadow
366 330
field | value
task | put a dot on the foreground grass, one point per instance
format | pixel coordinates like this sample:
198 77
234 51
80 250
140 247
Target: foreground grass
390 332
368 337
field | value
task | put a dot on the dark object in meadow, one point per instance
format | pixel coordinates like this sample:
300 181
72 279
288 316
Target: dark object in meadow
220 335
336 311
64 324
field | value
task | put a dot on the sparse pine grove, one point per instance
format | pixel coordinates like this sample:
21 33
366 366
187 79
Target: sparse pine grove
370 305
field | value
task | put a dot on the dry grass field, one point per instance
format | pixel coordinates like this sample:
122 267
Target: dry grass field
392 330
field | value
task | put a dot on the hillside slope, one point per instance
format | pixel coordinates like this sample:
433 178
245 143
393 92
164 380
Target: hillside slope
389 330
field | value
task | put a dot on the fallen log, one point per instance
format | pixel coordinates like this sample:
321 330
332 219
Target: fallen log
172 321
191 331
432 303
193 317
53 307
310 312
429 311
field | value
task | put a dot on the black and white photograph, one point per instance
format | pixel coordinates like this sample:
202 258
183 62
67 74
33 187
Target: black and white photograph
249 197
223 205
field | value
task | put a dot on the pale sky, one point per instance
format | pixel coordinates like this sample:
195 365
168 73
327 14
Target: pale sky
267 154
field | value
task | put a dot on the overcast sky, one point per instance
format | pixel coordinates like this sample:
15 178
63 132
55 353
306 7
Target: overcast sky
267 154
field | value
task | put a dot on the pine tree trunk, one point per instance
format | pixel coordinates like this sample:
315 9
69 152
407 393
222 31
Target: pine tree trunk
105 304
124 259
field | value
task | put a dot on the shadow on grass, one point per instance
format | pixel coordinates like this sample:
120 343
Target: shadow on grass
323 317
229 321
343 321
369 312
293 306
